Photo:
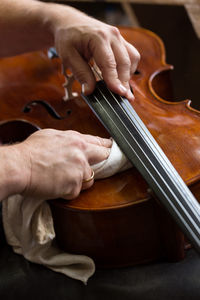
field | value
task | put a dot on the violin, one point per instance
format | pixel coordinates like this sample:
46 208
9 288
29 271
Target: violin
118 221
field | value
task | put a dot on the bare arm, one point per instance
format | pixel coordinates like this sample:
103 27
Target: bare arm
27 25
23 27
39 166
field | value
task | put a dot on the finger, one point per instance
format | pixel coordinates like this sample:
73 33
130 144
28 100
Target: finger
88 138
105 60
97 140
134 56
88 179
96 154
73 188
123 67
123 63
95 149
80 69
83 179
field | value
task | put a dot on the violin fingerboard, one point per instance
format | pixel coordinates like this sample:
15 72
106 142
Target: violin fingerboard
139 146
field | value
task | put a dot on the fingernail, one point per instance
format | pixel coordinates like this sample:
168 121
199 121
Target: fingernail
85 88
122 88
130 95
107 143
107 152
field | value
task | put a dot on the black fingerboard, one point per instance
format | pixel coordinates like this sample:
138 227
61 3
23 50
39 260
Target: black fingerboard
139 146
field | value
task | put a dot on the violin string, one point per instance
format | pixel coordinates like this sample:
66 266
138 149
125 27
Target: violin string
180 188
100 77
125 103
152 140
169 168
188 219
128 108
147 170
95 67
162 155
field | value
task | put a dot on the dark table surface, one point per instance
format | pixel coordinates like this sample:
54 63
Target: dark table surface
20 279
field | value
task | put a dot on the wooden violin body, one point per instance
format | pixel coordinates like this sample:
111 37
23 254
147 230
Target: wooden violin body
117 221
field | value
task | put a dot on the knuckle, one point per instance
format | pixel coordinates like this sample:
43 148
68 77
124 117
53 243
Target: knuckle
126 63
103 33
73 133
109 63
81 75
107 32
99 141
134 53
47 131
115 31
135 61
77 141
74 185
80 144
137 56
80 161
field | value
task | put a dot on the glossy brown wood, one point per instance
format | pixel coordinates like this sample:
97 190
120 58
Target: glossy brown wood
117 222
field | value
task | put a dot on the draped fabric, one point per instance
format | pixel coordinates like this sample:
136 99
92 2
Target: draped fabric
29 228
21 279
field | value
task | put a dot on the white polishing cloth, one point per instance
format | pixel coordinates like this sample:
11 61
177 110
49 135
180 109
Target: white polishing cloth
29 229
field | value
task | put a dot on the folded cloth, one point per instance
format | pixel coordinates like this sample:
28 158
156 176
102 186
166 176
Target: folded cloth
29 229
115 163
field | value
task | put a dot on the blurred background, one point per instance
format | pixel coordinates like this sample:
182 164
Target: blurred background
172 24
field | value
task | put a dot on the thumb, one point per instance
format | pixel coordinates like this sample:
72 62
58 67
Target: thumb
81 70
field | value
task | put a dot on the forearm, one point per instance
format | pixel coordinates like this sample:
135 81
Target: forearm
28 25
12 171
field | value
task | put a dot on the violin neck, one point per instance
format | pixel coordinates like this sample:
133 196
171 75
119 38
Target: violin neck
139 146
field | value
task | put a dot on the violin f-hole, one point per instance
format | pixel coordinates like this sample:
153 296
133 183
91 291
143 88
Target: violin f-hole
50 110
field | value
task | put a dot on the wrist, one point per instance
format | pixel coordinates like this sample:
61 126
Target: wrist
55 16
43 24
13 171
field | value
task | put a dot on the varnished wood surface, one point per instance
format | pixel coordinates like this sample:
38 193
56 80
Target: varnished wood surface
97 222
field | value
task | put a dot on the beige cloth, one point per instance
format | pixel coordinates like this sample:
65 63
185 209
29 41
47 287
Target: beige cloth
29 229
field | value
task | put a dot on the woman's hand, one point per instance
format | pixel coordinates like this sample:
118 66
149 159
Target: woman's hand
56 163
